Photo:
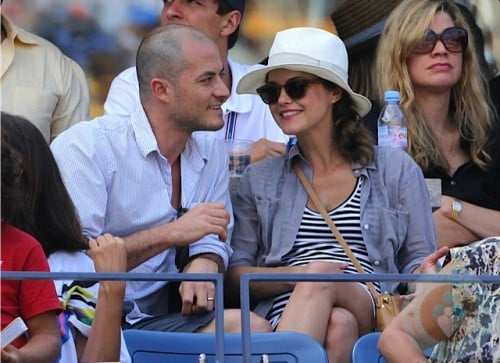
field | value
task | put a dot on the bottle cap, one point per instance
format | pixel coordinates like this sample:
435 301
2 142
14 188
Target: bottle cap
391 95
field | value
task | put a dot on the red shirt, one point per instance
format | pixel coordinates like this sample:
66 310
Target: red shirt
25 298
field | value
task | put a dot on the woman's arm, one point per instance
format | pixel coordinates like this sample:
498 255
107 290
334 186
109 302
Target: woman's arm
482 222
426 320
451 233
265 289
44 344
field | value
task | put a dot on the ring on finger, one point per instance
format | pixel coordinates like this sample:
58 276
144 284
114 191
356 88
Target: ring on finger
210 298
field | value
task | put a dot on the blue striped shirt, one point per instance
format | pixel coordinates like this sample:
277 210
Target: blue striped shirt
121 184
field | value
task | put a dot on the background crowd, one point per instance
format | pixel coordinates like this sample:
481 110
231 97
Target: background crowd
102 36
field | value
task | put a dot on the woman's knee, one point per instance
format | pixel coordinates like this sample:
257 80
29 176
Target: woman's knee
259 325
232 322
342 323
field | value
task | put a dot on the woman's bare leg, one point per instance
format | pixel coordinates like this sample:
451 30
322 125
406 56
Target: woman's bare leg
341 335
310 306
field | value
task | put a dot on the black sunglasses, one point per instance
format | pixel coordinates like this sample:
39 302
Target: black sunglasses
295 88
454 40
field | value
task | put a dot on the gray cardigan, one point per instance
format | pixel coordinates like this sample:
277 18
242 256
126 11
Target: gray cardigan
396 217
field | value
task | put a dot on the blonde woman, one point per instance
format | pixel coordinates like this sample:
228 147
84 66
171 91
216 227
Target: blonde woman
426 53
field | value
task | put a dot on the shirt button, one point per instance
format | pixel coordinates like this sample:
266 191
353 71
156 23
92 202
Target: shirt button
376 263
366 226
453 182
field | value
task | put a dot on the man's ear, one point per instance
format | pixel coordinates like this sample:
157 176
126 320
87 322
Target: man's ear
161 89
230 23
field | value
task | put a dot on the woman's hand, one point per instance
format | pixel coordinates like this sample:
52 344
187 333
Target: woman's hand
428 266
10 354
108 253
430 263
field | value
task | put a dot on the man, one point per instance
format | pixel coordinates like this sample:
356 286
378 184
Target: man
40 83
148 179
245 116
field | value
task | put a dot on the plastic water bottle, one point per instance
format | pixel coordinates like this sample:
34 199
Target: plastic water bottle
392 128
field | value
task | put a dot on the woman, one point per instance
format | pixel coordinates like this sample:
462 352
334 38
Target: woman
425 53
376 197
91 322
464 319
35 301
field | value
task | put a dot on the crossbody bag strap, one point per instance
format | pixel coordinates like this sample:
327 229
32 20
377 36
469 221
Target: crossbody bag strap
315 199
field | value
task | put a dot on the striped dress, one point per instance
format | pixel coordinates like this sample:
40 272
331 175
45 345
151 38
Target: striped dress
315 241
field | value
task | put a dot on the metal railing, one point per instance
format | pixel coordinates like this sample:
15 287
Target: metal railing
319 277
218 280
245 280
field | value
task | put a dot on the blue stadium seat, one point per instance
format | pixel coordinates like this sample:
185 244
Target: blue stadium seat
164 347
365 350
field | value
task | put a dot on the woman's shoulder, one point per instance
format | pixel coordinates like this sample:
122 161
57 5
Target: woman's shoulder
393 159
269 165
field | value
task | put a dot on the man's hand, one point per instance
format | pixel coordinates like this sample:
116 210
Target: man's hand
264 148
198 296
200 221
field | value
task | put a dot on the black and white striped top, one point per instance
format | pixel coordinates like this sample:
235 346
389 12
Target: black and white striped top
315 241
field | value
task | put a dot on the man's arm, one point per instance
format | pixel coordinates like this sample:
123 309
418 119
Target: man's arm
264 148
202 220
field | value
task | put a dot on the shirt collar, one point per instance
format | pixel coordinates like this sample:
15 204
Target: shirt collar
146 140
17 34
356 167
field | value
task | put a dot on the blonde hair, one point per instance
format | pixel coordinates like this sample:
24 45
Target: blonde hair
470 110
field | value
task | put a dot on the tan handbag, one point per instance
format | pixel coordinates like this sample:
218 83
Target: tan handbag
387 305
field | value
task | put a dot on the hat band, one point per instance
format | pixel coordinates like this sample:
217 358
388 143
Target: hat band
292 59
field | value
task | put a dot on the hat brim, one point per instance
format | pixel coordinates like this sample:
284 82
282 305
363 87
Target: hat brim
249 83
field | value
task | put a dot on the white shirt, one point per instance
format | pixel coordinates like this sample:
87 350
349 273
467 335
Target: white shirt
77 262
246 117
121 184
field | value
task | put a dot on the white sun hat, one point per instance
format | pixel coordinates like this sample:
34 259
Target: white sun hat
311 50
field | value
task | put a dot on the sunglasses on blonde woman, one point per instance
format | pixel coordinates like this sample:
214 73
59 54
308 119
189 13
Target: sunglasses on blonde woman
454 40
295 88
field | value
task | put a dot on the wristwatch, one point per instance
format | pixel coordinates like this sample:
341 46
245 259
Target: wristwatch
456 209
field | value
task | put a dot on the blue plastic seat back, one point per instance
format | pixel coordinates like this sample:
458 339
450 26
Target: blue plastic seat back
365 350
164 347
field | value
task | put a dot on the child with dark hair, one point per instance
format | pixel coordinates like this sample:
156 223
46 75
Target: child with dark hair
91 322
35 301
